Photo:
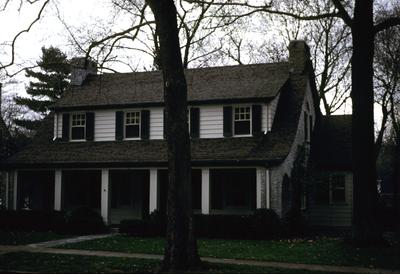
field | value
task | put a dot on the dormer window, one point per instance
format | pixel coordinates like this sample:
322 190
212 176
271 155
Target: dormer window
132 124
78 125
242 120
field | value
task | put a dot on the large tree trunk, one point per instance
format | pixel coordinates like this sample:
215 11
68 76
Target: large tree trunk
181 248
396 182
365 226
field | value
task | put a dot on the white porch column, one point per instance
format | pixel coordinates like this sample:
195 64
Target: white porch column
154 191
15 189
268 188
7 182
205 191
105 195
262 188
259 187
57 189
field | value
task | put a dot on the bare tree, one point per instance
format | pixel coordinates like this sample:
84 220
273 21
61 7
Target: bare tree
107 46
387 89
358 15
10 47
329 40
181 249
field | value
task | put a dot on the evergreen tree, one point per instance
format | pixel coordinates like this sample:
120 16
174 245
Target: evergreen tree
46 86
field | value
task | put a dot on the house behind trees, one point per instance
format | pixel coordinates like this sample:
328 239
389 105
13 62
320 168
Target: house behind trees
250 125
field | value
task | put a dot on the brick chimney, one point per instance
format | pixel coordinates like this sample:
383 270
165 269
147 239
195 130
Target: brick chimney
80 69
299 57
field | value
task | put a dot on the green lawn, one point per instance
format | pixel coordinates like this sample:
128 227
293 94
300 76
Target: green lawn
41 262
23 238
321 251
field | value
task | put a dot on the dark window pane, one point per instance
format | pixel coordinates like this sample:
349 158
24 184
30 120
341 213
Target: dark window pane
77 133
233 188
338 189
322 192
196 188
216 188
338 196
242 127
238 194
132 131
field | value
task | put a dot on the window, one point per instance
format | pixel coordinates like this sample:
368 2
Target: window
242 121
132 124
338 192
78 124
233 189
331 190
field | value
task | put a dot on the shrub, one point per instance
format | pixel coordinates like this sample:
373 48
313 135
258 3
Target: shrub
267 224
294 223
84 220
31 220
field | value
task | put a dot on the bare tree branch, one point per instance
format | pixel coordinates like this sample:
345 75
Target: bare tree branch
2 66
387 23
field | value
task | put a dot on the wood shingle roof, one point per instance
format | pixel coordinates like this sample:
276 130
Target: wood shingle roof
249 82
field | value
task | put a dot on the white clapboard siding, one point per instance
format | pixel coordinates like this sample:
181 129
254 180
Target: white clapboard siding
272 106
58 125
55 129
211 122
333 214
264 118
156 123
104 125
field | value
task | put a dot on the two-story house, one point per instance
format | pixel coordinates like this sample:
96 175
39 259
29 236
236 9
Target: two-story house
104 145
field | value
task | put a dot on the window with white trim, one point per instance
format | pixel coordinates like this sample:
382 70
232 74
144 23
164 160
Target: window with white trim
242 120
132 124
78 125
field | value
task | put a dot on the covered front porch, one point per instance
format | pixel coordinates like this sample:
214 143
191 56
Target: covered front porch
133 193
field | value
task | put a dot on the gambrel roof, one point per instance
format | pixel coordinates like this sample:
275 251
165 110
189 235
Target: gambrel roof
269 149
258 82
219 85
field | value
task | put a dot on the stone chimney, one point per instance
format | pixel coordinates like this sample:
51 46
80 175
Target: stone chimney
299 57
80 69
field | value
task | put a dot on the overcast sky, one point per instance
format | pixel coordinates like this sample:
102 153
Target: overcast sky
49 31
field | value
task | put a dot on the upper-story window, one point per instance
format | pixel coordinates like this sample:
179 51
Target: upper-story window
132 124
242 120
78 125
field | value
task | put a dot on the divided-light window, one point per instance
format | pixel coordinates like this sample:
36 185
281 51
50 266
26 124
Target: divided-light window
338 191
242 120
78 123
132 124
331 190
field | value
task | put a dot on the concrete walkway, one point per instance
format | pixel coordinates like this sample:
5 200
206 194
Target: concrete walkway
310 267
71 240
